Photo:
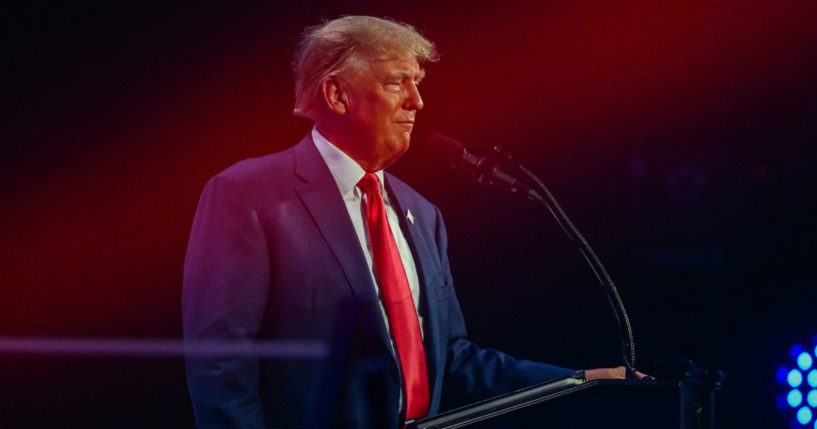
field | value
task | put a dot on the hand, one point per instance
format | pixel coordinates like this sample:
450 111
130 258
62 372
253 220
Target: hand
617 373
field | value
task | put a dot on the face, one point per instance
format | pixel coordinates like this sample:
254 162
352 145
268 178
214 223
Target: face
382 100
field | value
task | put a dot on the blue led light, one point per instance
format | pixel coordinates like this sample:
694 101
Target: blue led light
811 398
795 350
782 403
804 361
781 374
794 398
812 378
795 378
804 415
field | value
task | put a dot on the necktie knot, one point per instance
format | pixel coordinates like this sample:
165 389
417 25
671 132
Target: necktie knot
369 184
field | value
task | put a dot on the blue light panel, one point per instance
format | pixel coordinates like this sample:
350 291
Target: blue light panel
798 378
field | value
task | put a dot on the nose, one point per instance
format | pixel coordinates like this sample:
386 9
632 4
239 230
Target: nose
413 101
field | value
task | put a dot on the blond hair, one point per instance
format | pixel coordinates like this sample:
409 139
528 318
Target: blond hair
343 45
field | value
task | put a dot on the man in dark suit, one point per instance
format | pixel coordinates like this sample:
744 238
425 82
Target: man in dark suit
281 243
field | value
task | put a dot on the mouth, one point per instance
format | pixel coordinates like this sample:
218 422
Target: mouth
406 123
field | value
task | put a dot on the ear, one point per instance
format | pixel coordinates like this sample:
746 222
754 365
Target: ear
334 96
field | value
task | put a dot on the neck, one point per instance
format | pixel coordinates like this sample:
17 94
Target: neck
350 145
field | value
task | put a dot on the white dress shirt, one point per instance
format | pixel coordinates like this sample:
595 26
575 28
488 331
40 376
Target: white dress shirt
347 173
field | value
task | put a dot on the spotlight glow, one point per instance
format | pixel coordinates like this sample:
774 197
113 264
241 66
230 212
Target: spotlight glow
804 415
812 378
804 361
794 398
795 378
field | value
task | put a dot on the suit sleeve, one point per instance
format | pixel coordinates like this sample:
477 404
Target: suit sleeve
474 373
226 281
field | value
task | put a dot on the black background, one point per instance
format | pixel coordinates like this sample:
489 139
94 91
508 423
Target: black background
679 137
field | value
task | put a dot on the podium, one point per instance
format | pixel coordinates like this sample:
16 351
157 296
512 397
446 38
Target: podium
682 398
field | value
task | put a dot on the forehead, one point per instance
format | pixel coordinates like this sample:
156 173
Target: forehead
396 67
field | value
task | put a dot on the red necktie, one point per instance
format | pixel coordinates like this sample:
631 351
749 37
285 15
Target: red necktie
394 288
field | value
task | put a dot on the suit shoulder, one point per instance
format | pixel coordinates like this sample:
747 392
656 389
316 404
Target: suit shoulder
264 177
252 169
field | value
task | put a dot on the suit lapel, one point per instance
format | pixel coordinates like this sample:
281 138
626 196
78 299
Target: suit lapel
322 199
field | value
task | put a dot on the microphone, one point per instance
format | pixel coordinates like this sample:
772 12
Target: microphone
485 170
488 170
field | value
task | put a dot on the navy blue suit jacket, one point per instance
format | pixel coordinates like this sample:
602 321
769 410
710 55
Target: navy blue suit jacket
274 255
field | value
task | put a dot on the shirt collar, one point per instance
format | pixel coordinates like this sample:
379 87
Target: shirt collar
345 170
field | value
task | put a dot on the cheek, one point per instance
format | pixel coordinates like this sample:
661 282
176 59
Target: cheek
377 111
387 105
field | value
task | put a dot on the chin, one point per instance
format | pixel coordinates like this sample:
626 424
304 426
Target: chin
405 141
402 147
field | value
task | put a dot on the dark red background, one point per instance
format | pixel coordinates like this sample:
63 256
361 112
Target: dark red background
679 135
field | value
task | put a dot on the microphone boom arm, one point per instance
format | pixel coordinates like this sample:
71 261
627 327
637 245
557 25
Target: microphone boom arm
605 281
488 170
